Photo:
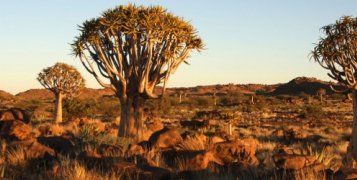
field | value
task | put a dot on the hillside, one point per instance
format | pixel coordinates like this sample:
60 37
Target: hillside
225 89
293 87
6 95
304 85
47 94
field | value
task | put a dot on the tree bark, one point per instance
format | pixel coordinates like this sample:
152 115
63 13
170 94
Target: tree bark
131 118
58 108
352 147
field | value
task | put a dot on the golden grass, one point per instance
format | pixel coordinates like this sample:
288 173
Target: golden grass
16 156
193 143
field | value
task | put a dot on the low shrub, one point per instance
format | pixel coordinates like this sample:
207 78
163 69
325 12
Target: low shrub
109 108
78 108
310 111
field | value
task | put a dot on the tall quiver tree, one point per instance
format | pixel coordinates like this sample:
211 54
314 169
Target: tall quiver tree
337 52
135 48
64 81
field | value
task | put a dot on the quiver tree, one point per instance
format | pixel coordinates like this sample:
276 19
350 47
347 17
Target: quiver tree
181 92
135 48
337 52
321 92
64 81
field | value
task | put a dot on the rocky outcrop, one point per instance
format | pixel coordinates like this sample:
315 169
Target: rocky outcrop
293 161
15 130
32 149
190 159
110 150
240 150
344 174
305 85
127 170
165 138
14 114
59 144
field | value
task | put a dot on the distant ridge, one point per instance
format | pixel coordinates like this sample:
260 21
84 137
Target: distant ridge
293 87
47 94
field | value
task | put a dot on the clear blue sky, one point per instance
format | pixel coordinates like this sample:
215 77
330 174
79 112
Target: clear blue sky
263 42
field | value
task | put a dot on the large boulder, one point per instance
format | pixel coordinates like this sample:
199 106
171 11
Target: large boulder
193 124
15 130
293 161
128 170
110 150
346 173
190 159
241 150
139 148
292 134
93 160
156 125
32 149
199 160
14 114
165 138
59 144
226 136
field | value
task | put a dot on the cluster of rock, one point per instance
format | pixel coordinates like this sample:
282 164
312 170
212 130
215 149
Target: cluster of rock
141 159
291 162
160 156
289 135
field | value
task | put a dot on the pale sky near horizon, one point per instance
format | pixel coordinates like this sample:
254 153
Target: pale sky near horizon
259 42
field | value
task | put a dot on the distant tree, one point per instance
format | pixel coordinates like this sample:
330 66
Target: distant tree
64 81
214 99
181 92
135 48
337 52
321 92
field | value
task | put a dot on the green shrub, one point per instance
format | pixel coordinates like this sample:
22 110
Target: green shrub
337 97
204 101
109 108
310 111
161 105
30 105
77 108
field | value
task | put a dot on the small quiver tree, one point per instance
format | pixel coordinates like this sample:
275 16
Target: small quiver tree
337 52
135 48
64 81
321 92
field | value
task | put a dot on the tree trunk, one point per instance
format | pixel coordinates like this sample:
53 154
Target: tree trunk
131 119
352 147
58 108
180 98
321 97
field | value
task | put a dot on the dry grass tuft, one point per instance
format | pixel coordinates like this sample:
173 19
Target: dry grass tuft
193 143
16 157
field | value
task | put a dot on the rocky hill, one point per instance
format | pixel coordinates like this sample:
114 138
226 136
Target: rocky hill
6 95
304 85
